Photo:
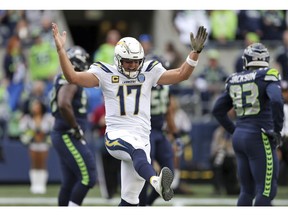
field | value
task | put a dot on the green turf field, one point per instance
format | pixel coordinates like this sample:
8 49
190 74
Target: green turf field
201 195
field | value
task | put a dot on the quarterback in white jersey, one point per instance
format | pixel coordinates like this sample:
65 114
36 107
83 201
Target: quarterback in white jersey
126 87
131 108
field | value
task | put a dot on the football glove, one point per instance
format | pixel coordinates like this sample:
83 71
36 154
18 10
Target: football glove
197 43
77 133
274 137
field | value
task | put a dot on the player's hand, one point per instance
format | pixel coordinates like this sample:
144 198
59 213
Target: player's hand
275 138
59 40
77 133
197 43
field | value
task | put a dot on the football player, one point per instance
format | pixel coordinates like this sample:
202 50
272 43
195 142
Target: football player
69 107
255 94
126 87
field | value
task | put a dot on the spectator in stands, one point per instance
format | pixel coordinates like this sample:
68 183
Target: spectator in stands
224 25
210 81
8 22
249 21
150 53
172 55
15 71
105 52
273 24
187 21
281 56
42 61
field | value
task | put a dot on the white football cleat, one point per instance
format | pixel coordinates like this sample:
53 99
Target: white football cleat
162 183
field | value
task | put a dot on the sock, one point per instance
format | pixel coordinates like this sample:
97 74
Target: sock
72 204
176 179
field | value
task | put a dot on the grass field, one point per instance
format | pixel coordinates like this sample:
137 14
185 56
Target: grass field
19 195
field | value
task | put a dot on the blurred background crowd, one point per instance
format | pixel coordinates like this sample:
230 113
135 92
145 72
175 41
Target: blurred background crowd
29 62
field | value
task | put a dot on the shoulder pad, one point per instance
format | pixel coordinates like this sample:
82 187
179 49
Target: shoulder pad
102 66
272 75
151 65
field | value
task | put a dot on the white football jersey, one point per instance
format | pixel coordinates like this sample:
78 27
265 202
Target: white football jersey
127 101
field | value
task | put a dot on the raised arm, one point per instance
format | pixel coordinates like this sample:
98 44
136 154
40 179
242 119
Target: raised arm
177 75
82 79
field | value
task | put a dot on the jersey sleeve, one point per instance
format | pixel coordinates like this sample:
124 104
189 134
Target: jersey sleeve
220 111
274 93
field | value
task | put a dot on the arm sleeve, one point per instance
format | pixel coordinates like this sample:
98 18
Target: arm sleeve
220 112
277 105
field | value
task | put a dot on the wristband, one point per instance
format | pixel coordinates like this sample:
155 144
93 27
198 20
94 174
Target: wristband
191 62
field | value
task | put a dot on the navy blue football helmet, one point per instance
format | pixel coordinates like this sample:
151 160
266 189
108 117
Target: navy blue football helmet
79 58
255 55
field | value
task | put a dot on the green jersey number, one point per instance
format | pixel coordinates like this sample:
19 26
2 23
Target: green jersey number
245 99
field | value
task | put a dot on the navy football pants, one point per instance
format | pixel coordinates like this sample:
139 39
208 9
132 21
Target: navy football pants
77 166
258 167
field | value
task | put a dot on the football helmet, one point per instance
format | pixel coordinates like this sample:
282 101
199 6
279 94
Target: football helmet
79 58
256 55
128 48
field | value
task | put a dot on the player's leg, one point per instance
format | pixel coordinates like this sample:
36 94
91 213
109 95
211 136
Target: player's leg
79 158
68 181
164 156
131 184
83 166
265 171
147 189
123 149
247 187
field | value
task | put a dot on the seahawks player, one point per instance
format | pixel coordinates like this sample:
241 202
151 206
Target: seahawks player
69 107
255 94
126 87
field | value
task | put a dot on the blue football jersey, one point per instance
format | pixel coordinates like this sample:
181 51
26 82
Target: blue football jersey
79 105
250 93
